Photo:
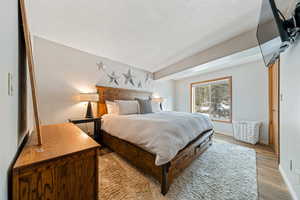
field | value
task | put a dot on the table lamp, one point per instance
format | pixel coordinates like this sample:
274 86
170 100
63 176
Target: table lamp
159 100
89 97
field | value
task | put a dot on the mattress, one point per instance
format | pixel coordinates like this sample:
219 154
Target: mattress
163 134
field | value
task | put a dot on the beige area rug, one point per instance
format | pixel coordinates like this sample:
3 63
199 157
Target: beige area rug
225 171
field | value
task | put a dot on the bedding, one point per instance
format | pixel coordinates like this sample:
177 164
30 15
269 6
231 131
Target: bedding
155 106
163 133
144 105
111 107
127 107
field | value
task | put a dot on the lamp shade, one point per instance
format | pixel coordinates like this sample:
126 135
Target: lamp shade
94 97
158 99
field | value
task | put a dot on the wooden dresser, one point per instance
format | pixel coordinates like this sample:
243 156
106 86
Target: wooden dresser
65 167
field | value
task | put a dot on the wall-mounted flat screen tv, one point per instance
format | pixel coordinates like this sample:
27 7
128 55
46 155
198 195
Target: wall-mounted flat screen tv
271 35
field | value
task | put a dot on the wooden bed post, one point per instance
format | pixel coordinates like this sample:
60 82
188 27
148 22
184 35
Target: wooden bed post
31 70
164 182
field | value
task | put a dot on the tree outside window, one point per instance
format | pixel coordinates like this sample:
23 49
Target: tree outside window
213 97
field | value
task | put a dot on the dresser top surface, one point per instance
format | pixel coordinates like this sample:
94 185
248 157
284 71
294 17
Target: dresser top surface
57 140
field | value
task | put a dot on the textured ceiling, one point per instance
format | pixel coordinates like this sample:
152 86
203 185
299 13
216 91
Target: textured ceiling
145 34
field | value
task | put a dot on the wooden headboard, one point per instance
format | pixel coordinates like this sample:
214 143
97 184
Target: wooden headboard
111 94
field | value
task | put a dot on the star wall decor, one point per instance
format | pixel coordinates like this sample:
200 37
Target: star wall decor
100 66
113 78
147 78
140 84
129 78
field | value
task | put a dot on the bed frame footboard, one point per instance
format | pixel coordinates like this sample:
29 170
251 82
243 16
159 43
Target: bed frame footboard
145 161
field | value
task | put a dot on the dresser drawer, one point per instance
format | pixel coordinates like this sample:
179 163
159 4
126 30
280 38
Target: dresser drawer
189 154
69 177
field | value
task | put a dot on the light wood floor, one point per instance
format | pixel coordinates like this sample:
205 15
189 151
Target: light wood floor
271 185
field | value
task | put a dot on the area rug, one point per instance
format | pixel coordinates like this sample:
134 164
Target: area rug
225 171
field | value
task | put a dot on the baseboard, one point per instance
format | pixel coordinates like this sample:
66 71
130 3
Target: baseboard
262 142
222 133
288 183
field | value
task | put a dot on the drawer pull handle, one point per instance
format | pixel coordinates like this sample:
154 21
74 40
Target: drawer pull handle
200 145
185 156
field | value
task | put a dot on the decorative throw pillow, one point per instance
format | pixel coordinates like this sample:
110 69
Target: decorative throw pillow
127 107
145 105
155 106
112 107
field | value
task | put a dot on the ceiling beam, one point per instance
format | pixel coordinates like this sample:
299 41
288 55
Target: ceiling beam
234 45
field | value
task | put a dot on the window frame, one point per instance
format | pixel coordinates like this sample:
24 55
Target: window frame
229 78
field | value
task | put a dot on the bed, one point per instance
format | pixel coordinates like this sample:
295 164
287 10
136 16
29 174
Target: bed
164 170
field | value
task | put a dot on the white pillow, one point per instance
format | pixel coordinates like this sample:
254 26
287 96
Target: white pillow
155 106
112 107
127 107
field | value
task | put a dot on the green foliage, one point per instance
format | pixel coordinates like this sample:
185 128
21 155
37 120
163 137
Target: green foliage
214 99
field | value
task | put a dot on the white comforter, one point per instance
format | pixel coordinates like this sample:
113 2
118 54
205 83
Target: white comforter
162 133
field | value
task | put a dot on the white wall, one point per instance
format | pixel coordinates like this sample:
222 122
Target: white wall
64 72
8 104
249 95
290 117
166 89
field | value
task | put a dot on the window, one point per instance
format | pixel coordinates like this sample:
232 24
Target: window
213 97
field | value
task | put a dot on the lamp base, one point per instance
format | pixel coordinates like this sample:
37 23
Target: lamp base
89 111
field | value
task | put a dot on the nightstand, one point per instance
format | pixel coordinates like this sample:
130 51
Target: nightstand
97 125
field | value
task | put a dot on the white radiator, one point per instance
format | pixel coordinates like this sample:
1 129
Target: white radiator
246 131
